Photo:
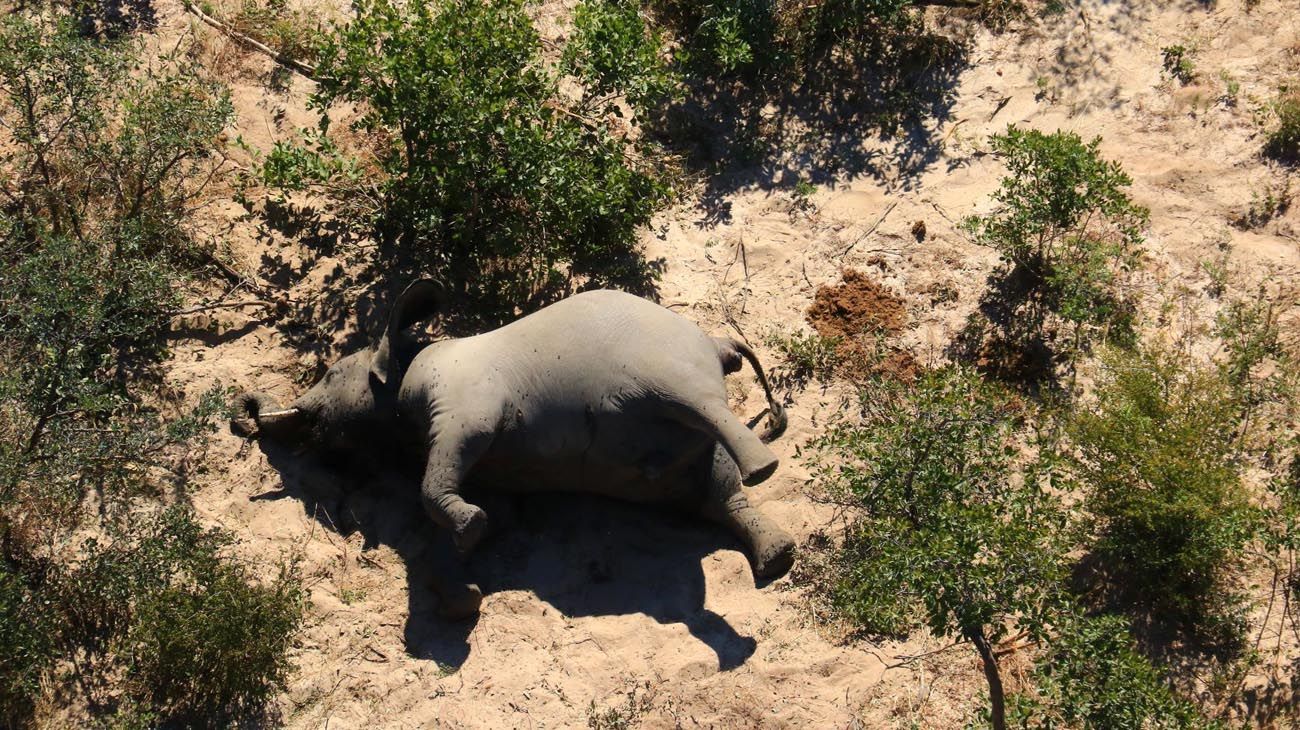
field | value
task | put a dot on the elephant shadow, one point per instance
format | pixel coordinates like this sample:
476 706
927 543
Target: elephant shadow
584 555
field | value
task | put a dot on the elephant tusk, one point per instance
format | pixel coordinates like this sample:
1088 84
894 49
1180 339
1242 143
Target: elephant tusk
280 413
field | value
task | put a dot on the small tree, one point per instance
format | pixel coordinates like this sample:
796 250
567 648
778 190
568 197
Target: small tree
1068 233
941 527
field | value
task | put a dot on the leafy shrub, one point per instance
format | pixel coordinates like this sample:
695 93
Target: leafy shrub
91 243
1178 63
204 640
1092 676
785 80
616 52
28 651
754 39
488 180
1284 140
943 527
1068 233
1168 517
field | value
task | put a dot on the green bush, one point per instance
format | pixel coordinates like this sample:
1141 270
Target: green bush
1091 676
489 181
104 157
760 40
1068 233
807 356
866 63
944 527
1167 515
205 641
1284 140
25 634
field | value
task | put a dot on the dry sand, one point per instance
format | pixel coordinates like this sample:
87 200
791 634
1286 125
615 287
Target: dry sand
593 606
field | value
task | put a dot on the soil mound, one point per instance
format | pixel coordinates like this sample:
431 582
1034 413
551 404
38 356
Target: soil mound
856 307
857 311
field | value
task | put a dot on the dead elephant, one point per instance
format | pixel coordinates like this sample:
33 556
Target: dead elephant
603 392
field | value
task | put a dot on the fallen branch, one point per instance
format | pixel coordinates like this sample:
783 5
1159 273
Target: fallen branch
293 64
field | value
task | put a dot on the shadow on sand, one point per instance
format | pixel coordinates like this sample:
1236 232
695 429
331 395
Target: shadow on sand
584 555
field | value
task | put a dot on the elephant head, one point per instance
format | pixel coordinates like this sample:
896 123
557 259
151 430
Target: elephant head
355 401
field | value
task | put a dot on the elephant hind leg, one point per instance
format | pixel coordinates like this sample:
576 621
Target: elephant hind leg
712 416
770 548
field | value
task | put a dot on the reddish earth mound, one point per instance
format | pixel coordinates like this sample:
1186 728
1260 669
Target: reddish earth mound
857 306
855 311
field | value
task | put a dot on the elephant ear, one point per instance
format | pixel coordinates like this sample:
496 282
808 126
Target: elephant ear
420 300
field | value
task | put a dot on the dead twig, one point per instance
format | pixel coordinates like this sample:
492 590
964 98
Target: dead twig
913 658
223 305
870 231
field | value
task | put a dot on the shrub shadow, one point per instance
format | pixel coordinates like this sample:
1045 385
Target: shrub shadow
584 555
820 127
1005 337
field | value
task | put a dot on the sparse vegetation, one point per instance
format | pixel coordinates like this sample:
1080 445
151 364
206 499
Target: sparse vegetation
638 702
1284 139
140 613
288 31
1274 201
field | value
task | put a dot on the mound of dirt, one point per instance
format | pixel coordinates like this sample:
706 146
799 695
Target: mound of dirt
856 311
857 306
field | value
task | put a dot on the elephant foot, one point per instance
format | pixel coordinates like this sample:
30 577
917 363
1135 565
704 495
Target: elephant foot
461 603
773 558
469 529
761 473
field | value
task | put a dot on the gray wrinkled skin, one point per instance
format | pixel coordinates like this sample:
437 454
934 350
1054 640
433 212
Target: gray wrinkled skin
603 392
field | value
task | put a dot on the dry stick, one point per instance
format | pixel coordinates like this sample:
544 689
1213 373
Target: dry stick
223 305
872 230
1001 105
913 658
292 64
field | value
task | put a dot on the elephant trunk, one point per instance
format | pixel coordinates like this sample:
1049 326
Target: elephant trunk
259 414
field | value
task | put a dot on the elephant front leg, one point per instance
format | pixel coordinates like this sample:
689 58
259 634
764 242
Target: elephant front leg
770 548
449 461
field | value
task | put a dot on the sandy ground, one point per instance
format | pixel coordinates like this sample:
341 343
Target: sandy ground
594 607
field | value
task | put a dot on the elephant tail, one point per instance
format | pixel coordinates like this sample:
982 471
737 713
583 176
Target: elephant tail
776 418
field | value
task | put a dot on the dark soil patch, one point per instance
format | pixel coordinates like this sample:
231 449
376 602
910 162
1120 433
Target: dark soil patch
862 313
